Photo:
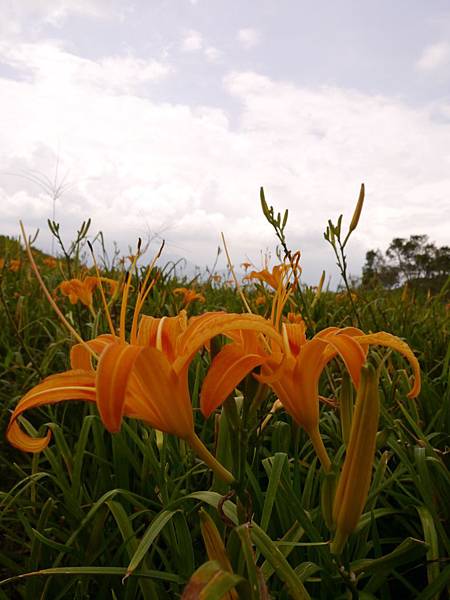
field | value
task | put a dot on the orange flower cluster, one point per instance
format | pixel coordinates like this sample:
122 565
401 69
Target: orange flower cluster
146 376
50 262
188 295
82 289
14 265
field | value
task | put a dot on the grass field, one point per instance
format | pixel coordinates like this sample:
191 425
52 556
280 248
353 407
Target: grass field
143 514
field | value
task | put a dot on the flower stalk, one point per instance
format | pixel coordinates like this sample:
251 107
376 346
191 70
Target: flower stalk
205 455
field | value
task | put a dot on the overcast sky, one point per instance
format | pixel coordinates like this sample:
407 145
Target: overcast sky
164 118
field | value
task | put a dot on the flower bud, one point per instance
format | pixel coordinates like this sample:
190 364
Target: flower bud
346 407
215 548
358 210
354 481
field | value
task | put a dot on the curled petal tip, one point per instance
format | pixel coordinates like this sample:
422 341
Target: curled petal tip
22 441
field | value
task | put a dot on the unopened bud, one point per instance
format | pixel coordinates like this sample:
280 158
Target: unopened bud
214 545
346 407
354 481
358 210
318 290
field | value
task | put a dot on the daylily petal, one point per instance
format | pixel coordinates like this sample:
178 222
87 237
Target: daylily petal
227 369
158 396
351 352
81 358
282 382
162 333
21 440
327 331
305 374
391 341
113 371
209 325
296 336
250 341
71 385
353 331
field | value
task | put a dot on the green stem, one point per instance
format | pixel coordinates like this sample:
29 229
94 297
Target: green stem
338 543
343 269
319 448
202 452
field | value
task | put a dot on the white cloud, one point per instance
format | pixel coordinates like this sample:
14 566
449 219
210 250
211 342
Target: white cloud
212 54
48 63
57 11
17 15
135 164
249 37
192 41
434 57
323 142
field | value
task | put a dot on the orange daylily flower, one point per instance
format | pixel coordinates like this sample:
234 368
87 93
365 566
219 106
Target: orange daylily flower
14 265
343 296
188 295
273 278
50 262
293 375
144 378
260 300
2 263
280 273
79 290
294 372
82 289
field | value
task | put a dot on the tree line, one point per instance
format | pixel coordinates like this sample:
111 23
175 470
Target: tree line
415 261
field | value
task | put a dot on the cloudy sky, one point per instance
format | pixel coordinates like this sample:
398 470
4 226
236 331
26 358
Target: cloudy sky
163 118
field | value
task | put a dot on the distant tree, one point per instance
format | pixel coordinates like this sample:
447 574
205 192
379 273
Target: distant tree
414 260
377 272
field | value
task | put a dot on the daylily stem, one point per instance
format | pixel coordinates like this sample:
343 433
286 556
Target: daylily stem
338 543
202 452
319 447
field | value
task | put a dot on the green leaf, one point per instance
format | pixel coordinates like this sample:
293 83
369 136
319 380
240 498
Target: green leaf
276 467
51 543
292 536
366 519
408 551
249 557
119 571
431 538
126 529
149 537
213 499
278 561
433 590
